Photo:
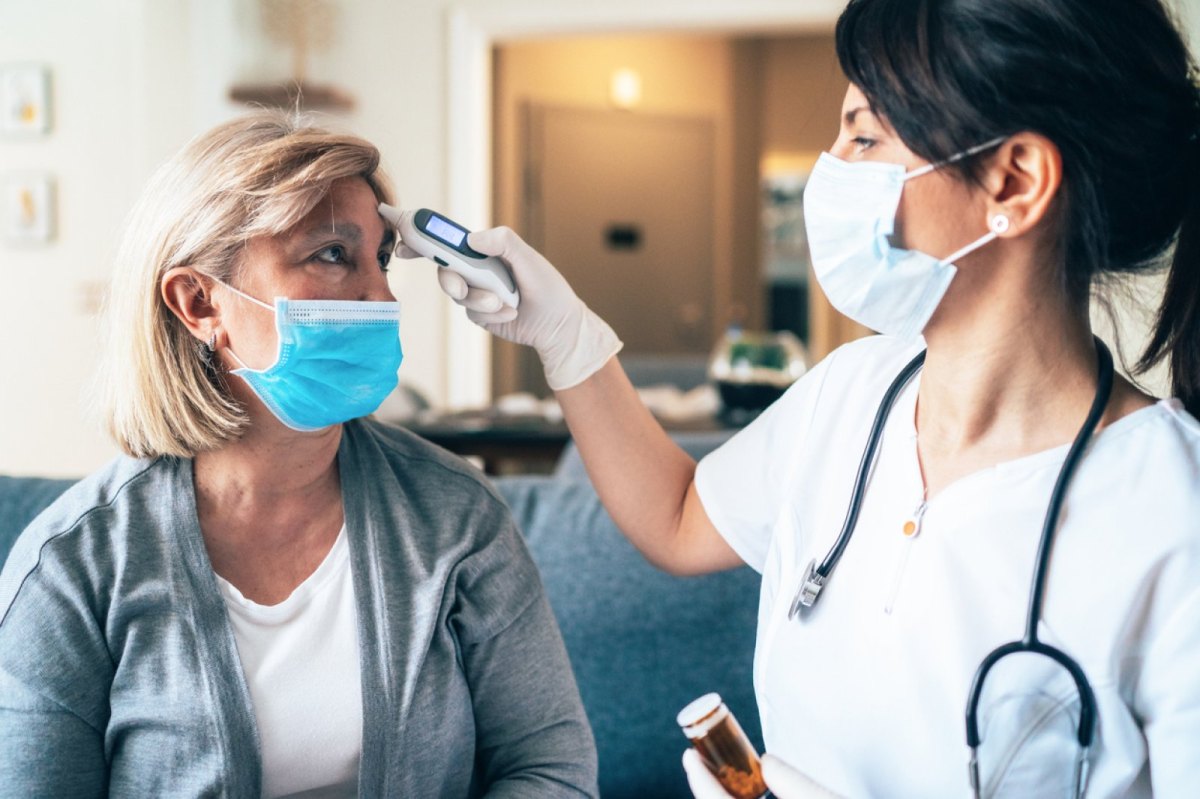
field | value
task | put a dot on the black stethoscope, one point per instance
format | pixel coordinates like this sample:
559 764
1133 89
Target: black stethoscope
816 577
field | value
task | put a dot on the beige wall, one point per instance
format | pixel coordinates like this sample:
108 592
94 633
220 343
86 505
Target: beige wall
1189 16
119 105
802 95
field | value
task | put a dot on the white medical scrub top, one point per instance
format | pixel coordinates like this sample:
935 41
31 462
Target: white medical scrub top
867 695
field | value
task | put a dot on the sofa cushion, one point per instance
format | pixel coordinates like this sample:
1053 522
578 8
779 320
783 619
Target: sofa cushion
643 643
22 499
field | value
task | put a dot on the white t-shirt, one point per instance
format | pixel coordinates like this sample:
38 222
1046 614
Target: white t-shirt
301 663
867 695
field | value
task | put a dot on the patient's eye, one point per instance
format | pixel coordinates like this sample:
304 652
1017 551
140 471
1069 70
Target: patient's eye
335 254
385 258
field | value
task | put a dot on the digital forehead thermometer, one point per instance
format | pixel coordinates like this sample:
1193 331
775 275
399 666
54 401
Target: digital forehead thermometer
441 240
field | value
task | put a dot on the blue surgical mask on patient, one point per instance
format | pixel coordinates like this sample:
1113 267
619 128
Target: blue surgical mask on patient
850 215
337 360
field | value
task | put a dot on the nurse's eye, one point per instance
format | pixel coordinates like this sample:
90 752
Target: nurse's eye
385 258
862 143
335 254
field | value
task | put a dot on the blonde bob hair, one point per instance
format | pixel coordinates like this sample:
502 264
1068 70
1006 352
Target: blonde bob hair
256 175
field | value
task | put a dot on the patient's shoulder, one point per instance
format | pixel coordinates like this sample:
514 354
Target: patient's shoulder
79 535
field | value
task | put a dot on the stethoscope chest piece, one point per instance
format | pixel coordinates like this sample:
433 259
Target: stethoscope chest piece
809 589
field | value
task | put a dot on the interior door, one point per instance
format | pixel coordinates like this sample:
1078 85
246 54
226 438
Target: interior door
622 203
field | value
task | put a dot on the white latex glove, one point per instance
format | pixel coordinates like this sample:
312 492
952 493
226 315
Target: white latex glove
783 780
572 341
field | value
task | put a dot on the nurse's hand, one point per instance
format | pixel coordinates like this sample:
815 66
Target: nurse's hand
783 780
572 341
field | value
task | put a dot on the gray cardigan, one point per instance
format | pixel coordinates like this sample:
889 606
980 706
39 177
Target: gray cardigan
119 672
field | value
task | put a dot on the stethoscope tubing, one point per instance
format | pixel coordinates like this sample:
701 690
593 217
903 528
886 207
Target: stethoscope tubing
1030 643
1087 703
817 576
867 464
1074 455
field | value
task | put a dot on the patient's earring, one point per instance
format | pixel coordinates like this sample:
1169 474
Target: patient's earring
999 224
208 348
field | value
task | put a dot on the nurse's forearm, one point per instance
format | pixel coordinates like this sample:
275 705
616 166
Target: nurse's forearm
643 478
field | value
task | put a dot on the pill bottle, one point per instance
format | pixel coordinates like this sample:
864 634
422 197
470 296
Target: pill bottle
723 746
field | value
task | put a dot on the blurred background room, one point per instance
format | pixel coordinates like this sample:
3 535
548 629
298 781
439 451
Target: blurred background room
655 152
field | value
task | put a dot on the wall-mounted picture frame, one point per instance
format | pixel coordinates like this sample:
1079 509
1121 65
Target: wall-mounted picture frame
24 99
28 206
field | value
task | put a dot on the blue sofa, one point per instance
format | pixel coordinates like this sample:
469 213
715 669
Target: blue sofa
642 643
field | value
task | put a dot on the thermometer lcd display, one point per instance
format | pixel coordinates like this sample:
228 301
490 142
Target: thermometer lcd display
454 236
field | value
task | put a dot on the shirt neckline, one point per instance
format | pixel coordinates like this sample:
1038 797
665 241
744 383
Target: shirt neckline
907 407
330 567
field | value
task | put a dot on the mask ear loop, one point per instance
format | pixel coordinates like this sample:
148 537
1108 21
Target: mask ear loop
978 148
245 296
997 225
240 362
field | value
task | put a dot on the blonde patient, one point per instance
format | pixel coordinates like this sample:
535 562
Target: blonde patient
269 593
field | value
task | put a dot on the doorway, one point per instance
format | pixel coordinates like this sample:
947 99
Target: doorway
766 100
622 204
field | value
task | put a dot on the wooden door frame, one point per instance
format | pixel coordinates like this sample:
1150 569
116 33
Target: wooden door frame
474 28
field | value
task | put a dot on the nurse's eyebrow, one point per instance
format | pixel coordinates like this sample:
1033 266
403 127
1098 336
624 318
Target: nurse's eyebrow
853 112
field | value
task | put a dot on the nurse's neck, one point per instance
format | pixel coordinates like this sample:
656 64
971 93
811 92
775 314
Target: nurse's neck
1010 371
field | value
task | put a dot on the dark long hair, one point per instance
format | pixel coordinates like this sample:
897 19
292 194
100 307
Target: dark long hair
1110 82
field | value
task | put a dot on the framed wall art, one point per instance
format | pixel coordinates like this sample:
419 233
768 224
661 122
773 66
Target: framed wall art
24 99
27 205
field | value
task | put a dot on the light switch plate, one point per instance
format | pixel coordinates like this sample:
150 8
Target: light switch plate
24 99
28 207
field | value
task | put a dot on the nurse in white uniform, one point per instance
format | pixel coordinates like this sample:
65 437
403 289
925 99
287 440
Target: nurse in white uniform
996 161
